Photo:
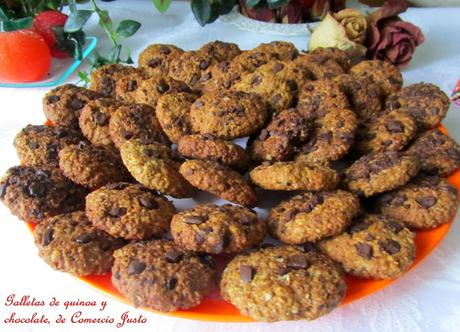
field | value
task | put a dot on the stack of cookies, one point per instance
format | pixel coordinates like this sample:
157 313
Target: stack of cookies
359 157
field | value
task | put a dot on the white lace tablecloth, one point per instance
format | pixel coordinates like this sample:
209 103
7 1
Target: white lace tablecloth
426 299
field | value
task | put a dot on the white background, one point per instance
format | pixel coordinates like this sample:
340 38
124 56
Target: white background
426 299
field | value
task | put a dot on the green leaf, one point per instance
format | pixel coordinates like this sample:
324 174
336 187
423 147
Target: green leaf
252 3
3 16
104 19
273 4
202 11
77 20
18 24
226 6
127 28
162 5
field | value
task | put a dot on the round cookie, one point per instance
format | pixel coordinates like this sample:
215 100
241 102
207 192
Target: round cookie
317 98
161 276
364 95
277 93
63 104
33 194
38 145
249 61
281 50
283 283
292 175
438 154
332 53
206 146
92 166
374 247
69 243
219 180
220 76
375 173
156 58
217 229
104 78
279 139
427 103
129 211
189 67
332 139
132 121
385 74
153 165
310 217
424 203
320 66
94 120
228 114
173 113
389 132
220 51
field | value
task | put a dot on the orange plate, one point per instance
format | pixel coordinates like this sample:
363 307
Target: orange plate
214 309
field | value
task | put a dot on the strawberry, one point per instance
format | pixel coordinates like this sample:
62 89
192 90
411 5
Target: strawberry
50 24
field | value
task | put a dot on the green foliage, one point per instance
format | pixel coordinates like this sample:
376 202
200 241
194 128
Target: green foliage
272 4
77 20
162 5
207 11
127 28
11 24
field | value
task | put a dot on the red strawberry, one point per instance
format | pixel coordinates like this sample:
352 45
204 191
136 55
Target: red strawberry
47 25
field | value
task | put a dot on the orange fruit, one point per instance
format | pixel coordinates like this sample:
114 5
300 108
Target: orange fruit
24 57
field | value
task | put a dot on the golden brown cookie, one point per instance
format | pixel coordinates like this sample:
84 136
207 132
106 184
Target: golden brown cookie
332 53
189 67
385 74
156 58
104 78
281 50
220 51
322 67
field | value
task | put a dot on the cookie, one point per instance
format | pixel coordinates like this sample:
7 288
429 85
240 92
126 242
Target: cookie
217 229
364 95
283 283
33 194
427 103
276 92
310 217
173 113
438 153
332 139
374 247
280 50
424 203
220 51
292 175
375 173
94 120
388 132
62 105
129 211
208 147
153 165
156 58
189 67
279 139
161 276
104 78
320 66
38 145
70 243
317 98
332 53
220 76
249 61
219 180
228 115
92 166
135 121
385 74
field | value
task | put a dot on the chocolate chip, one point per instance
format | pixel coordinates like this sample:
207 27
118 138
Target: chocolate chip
76 104
207 77
85 238
3 187
394 226
165 50
105 245
199 103
454 153
208 137
117 211
290 214
53 99
426 201
131 85
148 202
155 62
327 137
278 67
37 189
434 111
358 227
173 256
136 267
394 105
263 135
275 99
117 186
162 86
256 80
246 273
204 64
117 275
47 237
100 118
298 262
392 247
399 200
195 78
207 260
127 134
171 283
195 220
364 250
395 126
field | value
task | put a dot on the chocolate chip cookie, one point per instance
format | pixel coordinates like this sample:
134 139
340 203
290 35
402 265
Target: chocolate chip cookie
320 66
190 66
249 61
332 53
425 202
70 243
208 147
153 165
219 180
220 51
385 74
281 50
104 78
292 175
310 217
374 247
217 229
283 283
228 114
156 58
38 145
375 173
33 194
161 276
